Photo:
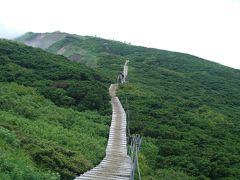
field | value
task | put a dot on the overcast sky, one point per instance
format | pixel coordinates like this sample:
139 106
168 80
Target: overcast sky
205 28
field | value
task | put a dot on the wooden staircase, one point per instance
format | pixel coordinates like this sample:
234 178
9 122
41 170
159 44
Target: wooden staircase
116 164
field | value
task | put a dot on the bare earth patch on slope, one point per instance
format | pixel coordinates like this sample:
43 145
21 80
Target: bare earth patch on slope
44 40
75 57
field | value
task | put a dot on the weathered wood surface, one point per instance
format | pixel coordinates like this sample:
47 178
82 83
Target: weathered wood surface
117 164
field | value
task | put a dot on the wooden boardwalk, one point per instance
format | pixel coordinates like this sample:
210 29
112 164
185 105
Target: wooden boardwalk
116 164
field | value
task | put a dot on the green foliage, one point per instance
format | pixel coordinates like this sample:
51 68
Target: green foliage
9 137
193 125
55 138
75 45
13 162
27 36
54 77
54 115
186 108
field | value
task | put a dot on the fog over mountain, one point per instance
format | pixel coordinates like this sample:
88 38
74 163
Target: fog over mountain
8 33
209 29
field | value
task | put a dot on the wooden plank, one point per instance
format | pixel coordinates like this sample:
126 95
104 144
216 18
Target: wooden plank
117 164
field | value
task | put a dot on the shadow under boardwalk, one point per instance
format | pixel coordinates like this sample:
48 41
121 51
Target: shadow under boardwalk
116 164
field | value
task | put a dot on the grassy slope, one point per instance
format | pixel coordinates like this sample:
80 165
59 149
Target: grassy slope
89 48
26 36
42 123
187 109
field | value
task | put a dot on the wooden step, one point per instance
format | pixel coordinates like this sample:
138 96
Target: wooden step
117 164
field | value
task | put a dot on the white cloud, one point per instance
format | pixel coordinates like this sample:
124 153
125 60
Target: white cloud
206 28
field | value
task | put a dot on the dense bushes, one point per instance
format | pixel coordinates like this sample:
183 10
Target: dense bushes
194 123
13 162
186 108
53 76
43 134
55 138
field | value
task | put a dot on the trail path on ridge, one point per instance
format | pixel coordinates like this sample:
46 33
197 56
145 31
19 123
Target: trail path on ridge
117 164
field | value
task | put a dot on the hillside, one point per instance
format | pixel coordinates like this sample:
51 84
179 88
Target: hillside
53 114
187 108
70 46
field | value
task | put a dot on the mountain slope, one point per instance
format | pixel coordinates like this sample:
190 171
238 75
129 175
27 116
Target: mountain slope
187 108
41 40
54 113
63 44
54 76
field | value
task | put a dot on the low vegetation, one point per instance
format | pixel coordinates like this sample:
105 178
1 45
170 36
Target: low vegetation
186 108
188 112
54 115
